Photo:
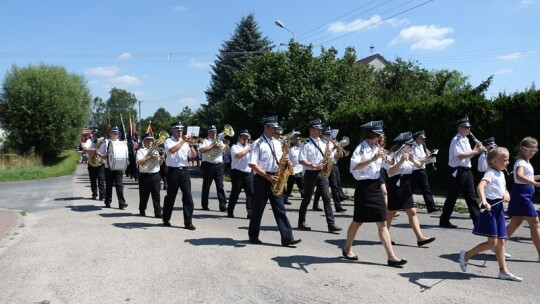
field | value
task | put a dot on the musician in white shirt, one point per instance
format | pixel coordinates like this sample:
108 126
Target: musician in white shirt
178 148
212 168
149 162
460 154
241 174
419 176
112 177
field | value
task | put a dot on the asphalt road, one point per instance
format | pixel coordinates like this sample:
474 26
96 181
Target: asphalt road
68 249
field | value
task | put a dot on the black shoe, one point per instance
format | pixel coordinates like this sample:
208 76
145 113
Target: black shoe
222 208
397 264
190 227
248 216
158 215
317 209
393 243
167 224
291 243
447 225
101 198
107 205
94 197
142 213
206 208
431 210
230 214
353 258
425 242
255 241
287 203
334 228
341 209
303 226
122 206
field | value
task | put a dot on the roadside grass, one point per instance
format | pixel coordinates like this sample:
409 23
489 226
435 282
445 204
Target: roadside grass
21 168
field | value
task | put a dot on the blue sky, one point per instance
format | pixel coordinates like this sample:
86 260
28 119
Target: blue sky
162 50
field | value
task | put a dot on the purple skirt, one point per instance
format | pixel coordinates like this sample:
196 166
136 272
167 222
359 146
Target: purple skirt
521 201
491 223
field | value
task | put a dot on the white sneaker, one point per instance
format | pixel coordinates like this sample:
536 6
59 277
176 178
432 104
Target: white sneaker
506 254
509 277
462 262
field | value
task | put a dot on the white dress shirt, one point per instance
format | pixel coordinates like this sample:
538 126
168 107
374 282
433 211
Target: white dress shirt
241 164
180 157
262 155
141 153
362 153
419 152
528 170
482 162
310 153
294 153
218 160
459 145
406 167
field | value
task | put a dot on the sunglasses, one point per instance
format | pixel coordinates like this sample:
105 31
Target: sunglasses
531 150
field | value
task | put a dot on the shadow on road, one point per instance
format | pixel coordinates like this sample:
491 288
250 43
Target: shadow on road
441 276
301 262
84 208
217 242
137 225
73 198
116 214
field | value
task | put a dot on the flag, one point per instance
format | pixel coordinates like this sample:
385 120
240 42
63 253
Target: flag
134 126
122 129
149 129
130 126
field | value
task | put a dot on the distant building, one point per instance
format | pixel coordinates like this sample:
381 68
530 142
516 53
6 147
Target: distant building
376 61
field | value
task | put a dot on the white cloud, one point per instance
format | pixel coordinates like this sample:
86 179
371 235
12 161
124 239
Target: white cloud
125 56
504 71
126 80
425 37
359 24
102 71
179 8
526 2
516 55
199 64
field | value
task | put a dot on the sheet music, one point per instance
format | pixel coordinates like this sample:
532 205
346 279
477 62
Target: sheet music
193 131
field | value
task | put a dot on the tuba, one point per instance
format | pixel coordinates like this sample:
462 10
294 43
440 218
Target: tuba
151 164
95 160
216 152
284 167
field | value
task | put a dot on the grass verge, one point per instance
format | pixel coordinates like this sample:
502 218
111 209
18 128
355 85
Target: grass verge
30 168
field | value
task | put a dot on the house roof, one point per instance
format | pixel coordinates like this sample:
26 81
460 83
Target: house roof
371 58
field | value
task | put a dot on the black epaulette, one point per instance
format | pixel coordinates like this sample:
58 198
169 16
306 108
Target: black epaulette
258 142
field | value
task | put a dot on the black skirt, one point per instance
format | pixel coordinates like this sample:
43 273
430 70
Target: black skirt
400 197
369 203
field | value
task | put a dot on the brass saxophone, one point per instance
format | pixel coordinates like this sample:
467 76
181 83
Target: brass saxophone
95 160
284 167
328 162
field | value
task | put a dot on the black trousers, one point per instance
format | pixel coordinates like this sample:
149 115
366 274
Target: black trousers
114 178
163 174
420 180
297 178
463 182
149 183
97 180
178 178
213 172
263 193
313 179
334 181
241 180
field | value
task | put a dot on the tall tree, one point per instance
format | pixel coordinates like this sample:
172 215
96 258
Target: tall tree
246 42
121 104
44 109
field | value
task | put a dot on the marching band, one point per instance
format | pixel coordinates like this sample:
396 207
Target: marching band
266 170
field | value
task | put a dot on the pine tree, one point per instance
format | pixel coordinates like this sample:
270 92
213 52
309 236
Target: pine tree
246 42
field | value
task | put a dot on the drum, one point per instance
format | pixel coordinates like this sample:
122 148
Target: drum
117 158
